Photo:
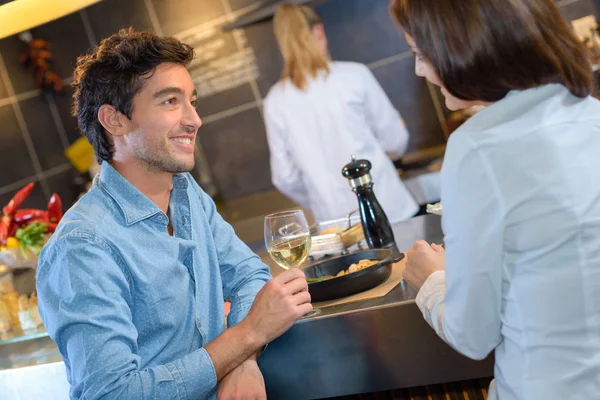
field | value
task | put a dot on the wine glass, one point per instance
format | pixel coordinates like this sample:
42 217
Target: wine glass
287 238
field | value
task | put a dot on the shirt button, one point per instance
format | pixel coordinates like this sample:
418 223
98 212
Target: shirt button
183 220
160 217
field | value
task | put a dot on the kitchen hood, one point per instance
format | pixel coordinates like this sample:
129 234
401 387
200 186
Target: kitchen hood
262 10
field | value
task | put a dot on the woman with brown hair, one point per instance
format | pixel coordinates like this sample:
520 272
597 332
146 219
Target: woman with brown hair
520 273
319 114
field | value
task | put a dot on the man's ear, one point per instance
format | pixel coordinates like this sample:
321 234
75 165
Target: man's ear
112 120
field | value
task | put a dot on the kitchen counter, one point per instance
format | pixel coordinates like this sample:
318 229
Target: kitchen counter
368 346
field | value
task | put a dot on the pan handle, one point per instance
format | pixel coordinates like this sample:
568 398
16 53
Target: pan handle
393 258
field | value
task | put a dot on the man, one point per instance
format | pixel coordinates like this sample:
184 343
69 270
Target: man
131 285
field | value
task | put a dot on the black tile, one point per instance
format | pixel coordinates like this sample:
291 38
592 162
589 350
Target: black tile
262 40
577 10
21 78
225 100
68 39
43 131
68 185
64 102
410 96
238 154
35 200
15 163
177 16
108 16
362 31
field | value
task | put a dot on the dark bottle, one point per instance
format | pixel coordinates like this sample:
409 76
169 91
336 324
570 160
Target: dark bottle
375 223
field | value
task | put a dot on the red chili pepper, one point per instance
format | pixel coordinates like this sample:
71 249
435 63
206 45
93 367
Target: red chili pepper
4 228
18 199
55 209
28 215
13 228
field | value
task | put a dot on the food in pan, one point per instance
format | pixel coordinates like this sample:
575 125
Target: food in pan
362 264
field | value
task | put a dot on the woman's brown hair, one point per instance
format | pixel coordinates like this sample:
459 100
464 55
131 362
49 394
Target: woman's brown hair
482 49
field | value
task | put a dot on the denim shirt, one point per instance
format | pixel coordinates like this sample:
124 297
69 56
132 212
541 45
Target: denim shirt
131 307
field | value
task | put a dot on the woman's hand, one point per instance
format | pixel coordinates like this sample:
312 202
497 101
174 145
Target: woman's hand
422 260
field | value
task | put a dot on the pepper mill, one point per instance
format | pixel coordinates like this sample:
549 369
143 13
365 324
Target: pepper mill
375 223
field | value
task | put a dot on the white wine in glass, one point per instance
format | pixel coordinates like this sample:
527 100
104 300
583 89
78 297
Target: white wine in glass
287 238
290 252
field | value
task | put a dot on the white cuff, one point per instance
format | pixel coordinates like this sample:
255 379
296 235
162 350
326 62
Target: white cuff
432 286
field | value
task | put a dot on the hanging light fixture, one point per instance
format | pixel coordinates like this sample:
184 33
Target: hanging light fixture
21 15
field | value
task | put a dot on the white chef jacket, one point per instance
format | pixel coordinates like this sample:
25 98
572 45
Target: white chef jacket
521 219
313 133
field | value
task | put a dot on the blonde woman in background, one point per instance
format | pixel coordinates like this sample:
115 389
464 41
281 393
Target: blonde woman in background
319 114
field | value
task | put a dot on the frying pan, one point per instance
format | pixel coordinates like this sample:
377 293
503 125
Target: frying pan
355 282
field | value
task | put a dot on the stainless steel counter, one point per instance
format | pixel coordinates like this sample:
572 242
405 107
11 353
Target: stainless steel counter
369 346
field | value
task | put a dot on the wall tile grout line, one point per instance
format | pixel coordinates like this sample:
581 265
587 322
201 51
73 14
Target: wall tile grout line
563 3
153 17
37 167
389 60
30 94
13 187
6 101
59 169
26 95
229 112
87 26
60 126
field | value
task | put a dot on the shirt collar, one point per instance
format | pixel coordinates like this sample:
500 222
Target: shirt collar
134 205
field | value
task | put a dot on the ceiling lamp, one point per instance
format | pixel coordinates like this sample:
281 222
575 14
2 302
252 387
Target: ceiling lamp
20 15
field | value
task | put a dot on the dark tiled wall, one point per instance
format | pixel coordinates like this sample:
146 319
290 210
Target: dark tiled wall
597 4
35 128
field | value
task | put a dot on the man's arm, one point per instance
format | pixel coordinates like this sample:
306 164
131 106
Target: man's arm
242 272
247 281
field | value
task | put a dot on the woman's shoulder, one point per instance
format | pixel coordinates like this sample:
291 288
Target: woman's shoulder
275 94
